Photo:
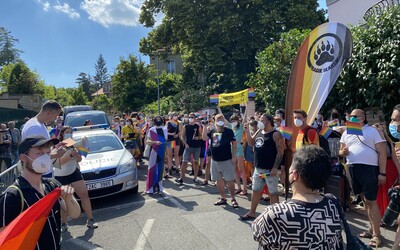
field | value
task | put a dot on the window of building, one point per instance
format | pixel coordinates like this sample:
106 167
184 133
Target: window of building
170 67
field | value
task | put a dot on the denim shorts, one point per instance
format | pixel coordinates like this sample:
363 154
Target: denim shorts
270 181
191 151
249 154
130 144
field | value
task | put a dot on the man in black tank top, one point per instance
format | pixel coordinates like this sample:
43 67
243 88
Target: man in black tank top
269 147
191 138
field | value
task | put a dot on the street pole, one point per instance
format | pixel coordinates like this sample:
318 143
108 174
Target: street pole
158 84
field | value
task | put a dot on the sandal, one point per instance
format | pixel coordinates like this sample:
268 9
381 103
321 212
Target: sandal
367 235
234 203
243 193
220 201
375 242
238 191
247 217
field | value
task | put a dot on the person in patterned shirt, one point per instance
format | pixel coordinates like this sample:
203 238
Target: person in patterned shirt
309 220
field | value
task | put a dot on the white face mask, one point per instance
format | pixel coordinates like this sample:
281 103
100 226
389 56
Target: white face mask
234 124
191 120
121 123
220 123
260 125
42 164
275 125
67 135
175 118
298 122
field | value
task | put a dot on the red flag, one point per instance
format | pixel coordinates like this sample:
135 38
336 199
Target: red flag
24 231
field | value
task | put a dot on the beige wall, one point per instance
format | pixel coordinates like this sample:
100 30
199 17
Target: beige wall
11 103
163 63
31 102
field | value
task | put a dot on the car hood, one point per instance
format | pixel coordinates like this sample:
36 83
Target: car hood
104 160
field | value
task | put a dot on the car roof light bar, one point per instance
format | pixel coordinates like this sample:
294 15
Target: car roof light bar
91 127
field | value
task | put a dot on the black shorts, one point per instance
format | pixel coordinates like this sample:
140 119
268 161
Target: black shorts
130 144
66 180
203 149
364 179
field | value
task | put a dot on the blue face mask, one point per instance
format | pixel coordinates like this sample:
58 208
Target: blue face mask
393 131
354 119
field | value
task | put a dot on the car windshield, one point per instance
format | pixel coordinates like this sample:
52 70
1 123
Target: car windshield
102 143
75 120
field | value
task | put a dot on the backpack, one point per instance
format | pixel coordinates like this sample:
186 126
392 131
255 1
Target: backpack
323 142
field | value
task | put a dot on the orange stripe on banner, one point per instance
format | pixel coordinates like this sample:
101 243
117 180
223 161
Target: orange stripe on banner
21 241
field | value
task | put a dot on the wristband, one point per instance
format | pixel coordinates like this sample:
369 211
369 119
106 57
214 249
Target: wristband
383 174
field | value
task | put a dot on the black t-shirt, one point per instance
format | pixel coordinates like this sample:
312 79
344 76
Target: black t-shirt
10 208
220 146
193 131
265 150
172 127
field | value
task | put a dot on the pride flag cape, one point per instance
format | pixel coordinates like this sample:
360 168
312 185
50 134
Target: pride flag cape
24 231
286 132
156 162
326 132
316 68
354 128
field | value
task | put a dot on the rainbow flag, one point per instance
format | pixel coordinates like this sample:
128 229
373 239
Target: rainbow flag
252 93
83 151
171 144
326 132
214 98
319 61
354 128
286 132
24 231
333 123
263 176
52 133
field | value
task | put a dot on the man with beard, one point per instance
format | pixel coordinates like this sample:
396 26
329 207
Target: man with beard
223 156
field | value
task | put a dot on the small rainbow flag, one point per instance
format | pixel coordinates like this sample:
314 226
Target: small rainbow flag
354 128
286 132
333 123
251 92
52 133
263 176
214 98
82 151
171 144
326 132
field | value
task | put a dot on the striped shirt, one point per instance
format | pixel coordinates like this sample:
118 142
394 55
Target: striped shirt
10 208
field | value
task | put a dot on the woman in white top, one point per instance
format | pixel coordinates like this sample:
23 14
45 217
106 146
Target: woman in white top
67 172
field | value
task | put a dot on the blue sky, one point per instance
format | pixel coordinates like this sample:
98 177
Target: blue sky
62 38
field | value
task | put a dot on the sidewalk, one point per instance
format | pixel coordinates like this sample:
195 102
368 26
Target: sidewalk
358 221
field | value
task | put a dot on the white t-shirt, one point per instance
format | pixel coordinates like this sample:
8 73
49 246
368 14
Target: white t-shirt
360 153
34 127
66 168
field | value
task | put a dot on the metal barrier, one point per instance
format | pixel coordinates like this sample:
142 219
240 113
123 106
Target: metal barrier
8 177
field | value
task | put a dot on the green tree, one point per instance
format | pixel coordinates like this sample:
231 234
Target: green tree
129 85
102 102
84 81
372 76
8 52
64 97
79 97
101 77
274 65
220 38
22 80
5 76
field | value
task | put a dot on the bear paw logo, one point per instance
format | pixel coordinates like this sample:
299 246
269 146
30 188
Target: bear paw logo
324 53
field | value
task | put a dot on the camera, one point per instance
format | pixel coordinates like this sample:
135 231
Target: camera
393 210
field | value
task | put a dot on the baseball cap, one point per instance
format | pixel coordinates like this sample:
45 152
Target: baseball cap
34 141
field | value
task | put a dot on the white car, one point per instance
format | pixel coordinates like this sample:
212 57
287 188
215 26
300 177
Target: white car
108 168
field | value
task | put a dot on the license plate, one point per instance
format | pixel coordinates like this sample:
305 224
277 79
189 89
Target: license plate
98 185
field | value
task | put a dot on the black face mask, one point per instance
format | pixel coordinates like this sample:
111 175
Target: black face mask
158 123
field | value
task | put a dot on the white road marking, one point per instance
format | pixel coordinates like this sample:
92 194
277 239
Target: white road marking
175 201
141 242
84 244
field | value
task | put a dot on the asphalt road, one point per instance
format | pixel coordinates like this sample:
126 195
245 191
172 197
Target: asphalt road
184 217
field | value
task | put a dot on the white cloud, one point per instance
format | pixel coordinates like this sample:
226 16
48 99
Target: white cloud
113 12
45 5
65 8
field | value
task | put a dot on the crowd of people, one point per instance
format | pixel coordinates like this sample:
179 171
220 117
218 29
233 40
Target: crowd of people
240 153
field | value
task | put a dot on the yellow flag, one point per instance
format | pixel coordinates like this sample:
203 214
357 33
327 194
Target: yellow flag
233 98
